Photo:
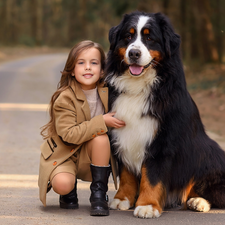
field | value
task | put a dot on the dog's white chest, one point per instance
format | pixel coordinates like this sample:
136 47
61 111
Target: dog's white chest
139 131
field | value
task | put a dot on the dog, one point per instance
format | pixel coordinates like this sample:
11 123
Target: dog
164 155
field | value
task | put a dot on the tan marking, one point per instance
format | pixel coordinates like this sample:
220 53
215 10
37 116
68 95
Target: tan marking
146 31
156 55
187 193
122 52
132 31
155 133
128 187
149 194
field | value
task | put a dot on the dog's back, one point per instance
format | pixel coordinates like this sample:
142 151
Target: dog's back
164 142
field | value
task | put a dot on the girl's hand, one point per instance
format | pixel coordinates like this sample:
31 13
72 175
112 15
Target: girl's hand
111 121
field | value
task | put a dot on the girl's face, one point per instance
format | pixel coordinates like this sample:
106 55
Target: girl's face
87 69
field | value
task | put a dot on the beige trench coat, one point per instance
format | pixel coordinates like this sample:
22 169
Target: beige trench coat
73 125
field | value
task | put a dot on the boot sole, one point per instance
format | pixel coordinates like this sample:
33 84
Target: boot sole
99 212
66 206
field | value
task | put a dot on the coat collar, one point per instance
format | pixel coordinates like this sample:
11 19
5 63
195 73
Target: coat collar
103 94
78 91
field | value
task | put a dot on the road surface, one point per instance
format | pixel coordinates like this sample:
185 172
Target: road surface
26 86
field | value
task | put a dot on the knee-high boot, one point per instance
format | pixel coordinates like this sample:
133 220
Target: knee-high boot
99 187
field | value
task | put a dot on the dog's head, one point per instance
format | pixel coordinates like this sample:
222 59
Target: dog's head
141 41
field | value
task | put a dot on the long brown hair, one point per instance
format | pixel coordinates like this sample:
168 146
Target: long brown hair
49 130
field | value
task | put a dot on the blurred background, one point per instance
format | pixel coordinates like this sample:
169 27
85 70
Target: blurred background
29 27
62 23
35 39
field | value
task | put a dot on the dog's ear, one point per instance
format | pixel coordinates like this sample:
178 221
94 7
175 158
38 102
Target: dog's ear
114 33
170 38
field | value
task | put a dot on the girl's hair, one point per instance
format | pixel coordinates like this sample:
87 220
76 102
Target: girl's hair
49 130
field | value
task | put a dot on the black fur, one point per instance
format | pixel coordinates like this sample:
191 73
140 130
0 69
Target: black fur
181 150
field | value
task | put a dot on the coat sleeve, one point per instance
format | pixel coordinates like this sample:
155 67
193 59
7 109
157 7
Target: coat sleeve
71 132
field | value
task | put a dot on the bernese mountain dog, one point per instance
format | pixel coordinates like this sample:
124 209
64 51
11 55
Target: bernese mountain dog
164 155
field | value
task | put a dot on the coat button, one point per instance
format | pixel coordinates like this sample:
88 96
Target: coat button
72 150
102 131
54 163
93 135
98 133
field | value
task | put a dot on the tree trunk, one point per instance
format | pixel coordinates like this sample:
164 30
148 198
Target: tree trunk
39 22
206 32
219 28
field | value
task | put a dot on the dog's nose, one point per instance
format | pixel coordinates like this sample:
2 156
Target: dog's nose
134 54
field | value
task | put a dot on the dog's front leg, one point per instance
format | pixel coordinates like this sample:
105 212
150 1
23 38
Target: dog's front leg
125 196
151 199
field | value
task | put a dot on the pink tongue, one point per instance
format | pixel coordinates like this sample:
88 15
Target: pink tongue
135 69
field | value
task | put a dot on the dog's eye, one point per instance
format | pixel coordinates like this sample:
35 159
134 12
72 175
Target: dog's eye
148 38
129 37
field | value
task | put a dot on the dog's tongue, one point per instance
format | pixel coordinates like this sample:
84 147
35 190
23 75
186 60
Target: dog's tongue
135 69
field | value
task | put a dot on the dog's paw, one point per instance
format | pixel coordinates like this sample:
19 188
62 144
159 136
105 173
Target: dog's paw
120 204
198 204
146 211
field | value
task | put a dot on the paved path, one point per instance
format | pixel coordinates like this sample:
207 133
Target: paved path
25 90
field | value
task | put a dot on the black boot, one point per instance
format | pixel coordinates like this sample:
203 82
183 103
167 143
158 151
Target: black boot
69 201
99 187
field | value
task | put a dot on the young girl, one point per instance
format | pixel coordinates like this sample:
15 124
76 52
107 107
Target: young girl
76 142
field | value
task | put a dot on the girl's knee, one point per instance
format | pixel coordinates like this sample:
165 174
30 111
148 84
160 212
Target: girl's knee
101 140
99 150
63 183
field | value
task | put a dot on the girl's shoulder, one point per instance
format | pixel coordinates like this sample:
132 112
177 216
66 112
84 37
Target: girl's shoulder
65 96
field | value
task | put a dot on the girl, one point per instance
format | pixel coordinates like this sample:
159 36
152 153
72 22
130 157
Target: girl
76 142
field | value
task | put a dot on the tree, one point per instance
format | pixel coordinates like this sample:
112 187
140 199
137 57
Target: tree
64 22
